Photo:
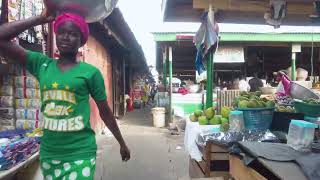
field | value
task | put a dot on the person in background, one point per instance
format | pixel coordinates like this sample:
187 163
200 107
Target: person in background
264 79
255 83
145 94
153 92
243 84
68 145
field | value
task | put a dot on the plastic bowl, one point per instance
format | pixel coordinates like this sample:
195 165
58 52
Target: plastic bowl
268 90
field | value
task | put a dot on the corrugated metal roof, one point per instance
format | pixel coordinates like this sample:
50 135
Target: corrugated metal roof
247 36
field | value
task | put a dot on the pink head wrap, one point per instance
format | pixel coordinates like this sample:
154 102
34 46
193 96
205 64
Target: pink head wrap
77 20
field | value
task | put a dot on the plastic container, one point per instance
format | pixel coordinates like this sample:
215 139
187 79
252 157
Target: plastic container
236 121
301 135
209 129
257 118
159 117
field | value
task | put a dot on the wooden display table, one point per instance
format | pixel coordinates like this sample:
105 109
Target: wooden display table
215 163
264 169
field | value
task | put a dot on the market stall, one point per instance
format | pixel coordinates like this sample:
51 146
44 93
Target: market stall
262 144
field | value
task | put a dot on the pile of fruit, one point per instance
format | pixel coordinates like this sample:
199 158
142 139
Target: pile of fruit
252 100
209 117
312 101
282 108
316 85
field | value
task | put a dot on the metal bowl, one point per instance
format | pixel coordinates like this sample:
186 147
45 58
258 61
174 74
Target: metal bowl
92 10
268 90
299 92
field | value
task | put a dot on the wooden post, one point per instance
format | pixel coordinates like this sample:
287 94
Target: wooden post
170 83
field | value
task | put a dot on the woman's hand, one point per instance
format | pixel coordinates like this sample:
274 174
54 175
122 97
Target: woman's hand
125 153
47 16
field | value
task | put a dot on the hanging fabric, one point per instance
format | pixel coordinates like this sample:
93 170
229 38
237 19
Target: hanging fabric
206 39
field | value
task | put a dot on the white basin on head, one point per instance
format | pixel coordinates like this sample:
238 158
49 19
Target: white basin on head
92 10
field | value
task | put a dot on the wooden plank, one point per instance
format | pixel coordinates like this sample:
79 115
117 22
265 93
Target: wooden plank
224 175
217 149
252 6
219 156
240 172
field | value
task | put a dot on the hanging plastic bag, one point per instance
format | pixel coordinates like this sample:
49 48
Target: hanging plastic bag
93 11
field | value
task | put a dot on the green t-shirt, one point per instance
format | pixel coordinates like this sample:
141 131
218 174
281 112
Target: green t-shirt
65 106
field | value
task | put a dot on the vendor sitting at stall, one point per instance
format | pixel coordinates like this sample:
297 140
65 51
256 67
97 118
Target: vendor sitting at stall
255 83
243 84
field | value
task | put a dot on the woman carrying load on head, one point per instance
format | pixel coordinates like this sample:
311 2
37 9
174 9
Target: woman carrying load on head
68 146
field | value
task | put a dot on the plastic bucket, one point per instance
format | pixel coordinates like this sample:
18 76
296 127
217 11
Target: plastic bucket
159 117
257 118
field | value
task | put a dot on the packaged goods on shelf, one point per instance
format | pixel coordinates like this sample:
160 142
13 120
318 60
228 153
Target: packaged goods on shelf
31 114
27 93
7 128
7 113
6 90
27 124
7 122
28 103
14 8
6 101
19 71
7 80
15 150
26 82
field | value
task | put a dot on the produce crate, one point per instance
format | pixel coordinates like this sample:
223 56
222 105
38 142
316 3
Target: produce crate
215 163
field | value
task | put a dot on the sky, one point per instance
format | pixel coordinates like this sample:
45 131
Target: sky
144 17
